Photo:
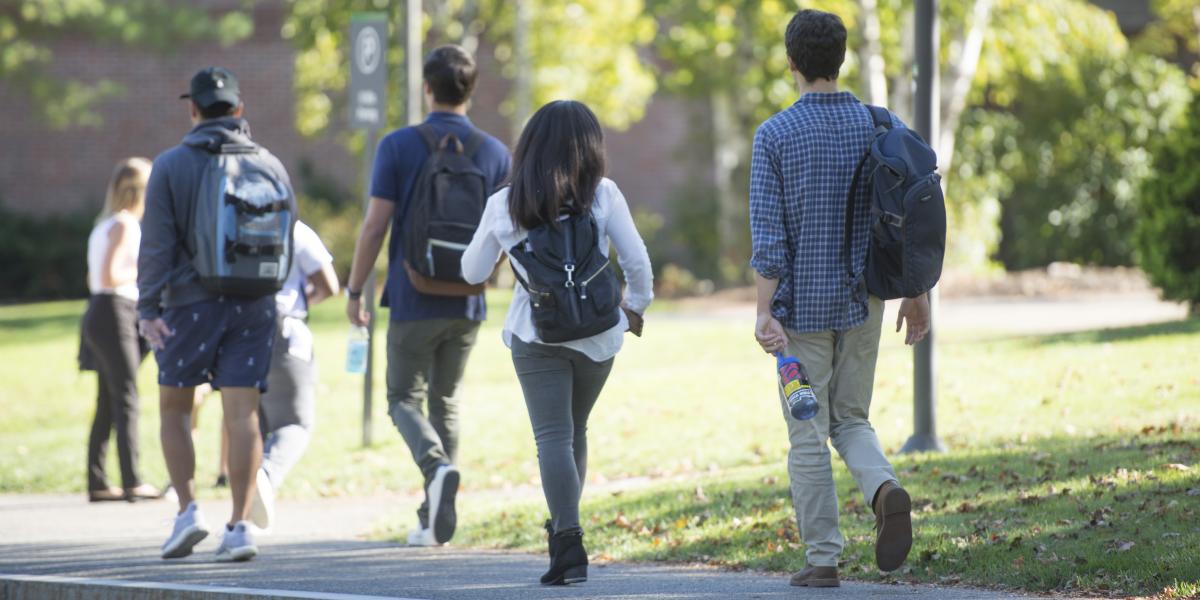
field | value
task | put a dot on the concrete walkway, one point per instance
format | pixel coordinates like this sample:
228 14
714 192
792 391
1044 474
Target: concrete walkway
63 547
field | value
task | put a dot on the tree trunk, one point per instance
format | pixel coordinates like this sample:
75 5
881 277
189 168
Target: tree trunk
902 91
523 85
871 55
727 155
964 65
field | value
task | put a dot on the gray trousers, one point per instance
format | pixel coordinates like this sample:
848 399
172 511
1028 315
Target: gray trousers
561 387
288 408
425 363
841 368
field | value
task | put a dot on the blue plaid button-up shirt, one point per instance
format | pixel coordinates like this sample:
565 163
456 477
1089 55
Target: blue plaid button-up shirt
800 170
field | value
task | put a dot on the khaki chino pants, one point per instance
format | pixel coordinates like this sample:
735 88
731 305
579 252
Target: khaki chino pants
841 368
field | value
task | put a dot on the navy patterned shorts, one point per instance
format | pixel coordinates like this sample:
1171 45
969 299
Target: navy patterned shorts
225 342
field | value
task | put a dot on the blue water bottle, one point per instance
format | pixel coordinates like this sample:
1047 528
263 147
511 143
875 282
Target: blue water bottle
793 380
356 350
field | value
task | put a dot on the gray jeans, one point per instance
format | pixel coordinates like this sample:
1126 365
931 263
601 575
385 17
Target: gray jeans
288 408
425 362
561 387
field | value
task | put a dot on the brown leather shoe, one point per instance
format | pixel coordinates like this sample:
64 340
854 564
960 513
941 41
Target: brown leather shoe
111 494
893 526
816 577
144 491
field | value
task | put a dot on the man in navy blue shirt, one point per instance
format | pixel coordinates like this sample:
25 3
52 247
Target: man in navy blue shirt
801 167
429 337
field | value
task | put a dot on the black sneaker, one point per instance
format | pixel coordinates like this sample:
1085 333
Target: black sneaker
442 491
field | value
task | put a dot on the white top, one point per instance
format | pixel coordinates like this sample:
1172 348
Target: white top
98 249
497 234
309 256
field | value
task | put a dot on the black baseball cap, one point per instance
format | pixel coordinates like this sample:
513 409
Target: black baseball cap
213 85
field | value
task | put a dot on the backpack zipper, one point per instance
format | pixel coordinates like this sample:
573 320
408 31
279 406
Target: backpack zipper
569 266
583 284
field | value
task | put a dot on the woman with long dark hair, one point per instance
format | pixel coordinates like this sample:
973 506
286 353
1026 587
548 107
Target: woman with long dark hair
567 319
110 336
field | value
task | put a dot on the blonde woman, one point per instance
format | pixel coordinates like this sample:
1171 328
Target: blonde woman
110 335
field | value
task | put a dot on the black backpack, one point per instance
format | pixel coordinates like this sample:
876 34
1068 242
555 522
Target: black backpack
240 236
573 291
908 213
446 206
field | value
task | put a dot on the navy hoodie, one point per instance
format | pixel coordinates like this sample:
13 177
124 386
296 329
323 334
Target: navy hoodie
166 277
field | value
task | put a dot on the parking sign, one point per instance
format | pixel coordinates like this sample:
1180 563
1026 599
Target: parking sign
368 70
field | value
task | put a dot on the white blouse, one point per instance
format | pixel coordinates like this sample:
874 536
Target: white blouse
97 251
497 234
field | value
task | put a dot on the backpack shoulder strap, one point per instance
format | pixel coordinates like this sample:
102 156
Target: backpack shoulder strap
430 137
851 200
472 144
882 120
880 116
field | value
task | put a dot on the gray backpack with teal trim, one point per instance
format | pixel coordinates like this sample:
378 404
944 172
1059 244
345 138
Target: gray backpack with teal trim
240 238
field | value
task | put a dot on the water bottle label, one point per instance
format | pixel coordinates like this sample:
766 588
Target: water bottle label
790 388
356 357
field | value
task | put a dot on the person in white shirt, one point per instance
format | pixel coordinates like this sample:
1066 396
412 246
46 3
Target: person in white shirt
558 171
288 408
110 342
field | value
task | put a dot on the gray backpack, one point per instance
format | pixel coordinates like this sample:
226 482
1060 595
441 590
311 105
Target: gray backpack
240 239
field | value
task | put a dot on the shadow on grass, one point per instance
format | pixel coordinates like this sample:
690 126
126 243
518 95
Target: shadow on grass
19 328
1115 514
1121 334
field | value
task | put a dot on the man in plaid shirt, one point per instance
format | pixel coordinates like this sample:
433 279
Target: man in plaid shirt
801 168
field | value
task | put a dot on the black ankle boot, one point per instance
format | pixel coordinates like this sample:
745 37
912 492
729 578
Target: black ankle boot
568 559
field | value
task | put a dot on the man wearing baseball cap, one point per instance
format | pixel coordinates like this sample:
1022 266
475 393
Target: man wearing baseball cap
200 336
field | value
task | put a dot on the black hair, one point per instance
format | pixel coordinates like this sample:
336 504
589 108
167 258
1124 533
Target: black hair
216 110
558 164
816 43
450 72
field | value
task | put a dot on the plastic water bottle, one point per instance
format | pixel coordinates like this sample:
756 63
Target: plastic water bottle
793 380
356 350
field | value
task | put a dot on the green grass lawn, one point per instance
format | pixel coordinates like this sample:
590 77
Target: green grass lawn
693 404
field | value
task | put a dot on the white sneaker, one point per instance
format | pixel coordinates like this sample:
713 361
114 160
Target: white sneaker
442 491
262 508
189 529
237 544
420 536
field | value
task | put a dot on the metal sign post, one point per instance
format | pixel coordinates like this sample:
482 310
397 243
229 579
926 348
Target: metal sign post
368 110
926 117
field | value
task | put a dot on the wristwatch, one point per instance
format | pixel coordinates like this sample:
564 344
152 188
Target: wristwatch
353 295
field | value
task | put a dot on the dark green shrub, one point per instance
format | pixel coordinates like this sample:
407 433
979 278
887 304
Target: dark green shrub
43 257
1168 231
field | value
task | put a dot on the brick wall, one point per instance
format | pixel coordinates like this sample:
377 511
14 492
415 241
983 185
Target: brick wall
47 171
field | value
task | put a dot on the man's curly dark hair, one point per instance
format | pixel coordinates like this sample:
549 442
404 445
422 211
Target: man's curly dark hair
816 43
